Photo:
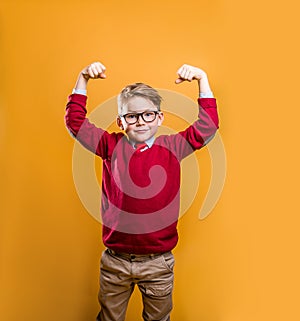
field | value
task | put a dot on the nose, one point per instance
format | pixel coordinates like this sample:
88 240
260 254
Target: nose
140 120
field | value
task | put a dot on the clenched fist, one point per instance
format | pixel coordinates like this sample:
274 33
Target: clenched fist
94 71
187 72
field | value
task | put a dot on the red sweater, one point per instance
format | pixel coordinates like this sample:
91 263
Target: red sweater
140 190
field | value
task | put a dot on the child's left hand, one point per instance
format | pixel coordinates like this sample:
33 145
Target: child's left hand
187 72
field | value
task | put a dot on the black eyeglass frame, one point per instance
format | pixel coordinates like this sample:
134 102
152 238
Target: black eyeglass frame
138 115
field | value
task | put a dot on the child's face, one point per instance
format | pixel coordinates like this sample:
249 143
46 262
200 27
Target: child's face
141 130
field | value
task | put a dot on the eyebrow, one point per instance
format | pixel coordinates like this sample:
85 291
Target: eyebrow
137 112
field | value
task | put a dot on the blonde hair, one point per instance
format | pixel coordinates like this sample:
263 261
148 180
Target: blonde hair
141 90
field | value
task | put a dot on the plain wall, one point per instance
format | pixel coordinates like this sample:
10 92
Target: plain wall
241 262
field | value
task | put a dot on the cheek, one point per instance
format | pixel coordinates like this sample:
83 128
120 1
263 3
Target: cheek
157 123
127 128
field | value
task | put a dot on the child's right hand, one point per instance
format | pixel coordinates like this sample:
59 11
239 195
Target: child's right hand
95 70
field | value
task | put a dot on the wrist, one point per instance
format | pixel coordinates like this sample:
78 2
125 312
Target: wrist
82 81
202 76
204 85
85 76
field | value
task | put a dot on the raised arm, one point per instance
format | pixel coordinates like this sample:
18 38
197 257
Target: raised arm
189 73
202 130
93 71
93 138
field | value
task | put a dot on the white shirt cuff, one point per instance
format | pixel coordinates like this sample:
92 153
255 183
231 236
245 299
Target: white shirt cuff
79 91
208 94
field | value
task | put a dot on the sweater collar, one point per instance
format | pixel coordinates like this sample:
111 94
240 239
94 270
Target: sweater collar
148 142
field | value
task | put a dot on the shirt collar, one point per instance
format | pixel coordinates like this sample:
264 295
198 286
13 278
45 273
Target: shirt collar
148 142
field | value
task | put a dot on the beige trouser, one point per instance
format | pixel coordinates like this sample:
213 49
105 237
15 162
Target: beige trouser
153 276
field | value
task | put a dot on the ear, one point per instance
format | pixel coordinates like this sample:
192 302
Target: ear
161 118
119 123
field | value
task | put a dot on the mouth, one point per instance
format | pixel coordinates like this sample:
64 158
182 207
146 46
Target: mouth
141 131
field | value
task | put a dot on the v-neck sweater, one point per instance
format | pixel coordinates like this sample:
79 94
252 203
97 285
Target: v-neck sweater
140 189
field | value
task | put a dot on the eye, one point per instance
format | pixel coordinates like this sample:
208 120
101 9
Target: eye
149 113
131 116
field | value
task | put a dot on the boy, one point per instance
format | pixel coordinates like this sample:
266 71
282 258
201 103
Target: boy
140 189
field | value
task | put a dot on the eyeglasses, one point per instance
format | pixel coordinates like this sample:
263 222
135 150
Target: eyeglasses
147 116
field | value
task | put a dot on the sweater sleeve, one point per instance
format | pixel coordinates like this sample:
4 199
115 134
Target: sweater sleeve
199 133
90 136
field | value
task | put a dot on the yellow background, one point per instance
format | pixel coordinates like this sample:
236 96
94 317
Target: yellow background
241 262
